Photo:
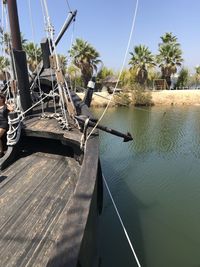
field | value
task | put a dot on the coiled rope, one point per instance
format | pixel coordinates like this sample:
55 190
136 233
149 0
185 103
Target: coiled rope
14 132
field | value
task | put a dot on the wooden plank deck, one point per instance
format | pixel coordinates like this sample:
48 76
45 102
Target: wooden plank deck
47 127
34 191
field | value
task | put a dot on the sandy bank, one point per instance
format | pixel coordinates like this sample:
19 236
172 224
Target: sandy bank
165 97
176 97
99 99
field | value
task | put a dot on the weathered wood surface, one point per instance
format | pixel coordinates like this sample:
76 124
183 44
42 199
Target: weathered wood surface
34 192
68 248
46 200
46 127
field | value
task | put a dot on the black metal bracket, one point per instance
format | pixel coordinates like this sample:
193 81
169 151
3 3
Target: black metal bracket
92 122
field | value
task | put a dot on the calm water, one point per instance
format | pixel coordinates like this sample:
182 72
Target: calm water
155 181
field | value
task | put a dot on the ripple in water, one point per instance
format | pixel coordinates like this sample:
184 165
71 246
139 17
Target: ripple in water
155 182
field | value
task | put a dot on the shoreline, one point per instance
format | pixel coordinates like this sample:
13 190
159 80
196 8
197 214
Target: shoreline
176 97
158 98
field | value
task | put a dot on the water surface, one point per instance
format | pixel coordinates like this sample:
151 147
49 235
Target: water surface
155 181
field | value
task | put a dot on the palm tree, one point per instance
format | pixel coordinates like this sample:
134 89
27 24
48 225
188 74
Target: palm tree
168 37
34 55
63 62
74 75
4 64
23 40
141 60
104 73
183 78
197 75
5 40
86 58
169 57
128 78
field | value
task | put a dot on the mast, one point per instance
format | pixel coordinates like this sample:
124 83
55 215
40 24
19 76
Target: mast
14 24
66 26
19 56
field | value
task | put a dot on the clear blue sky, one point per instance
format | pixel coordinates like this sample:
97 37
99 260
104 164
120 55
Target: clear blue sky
106 25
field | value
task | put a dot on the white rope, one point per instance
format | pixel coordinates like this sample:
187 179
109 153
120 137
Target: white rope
2 12
70 58
71 44
63 122
60 90
33 37
27 110
4 45
67 2
84 135
12 61
3 48
69 94
50 48
42 7
51 34
122 224
52 85
2 24
50 28
46 24
16 101
11 58
13 134
124 61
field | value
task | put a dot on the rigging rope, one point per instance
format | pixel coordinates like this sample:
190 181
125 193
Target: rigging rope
123 64
37 70
121 222
13 133
4 41
68 53
50 48
42 99
11 60
50 31
68 5
44 17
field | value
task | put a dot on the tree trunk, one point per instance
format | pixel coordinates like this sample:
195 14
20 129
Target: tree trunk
86 76
169 82
142 76
166 74
167 78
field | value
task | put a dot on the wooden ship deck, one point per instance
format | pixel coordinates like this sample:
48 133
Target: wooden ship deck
50 128
34 197
51 191
46 198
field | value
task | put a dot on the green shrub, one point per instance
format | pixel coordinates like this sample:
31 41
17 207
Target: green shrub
122 99
141 96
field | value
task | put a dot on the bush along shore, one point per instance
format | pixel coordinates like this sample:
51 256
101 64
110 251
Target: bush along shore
147 98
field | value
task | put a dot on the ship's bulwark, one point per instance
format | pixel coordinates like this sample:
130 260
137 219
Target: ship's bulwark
49 214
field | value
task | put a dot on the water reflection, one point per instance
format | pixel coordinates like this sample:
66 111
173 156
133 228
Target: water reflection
155 182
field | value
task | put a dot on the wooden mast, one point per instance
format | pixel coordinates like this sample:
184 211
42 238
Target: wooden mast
19 56
14 24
